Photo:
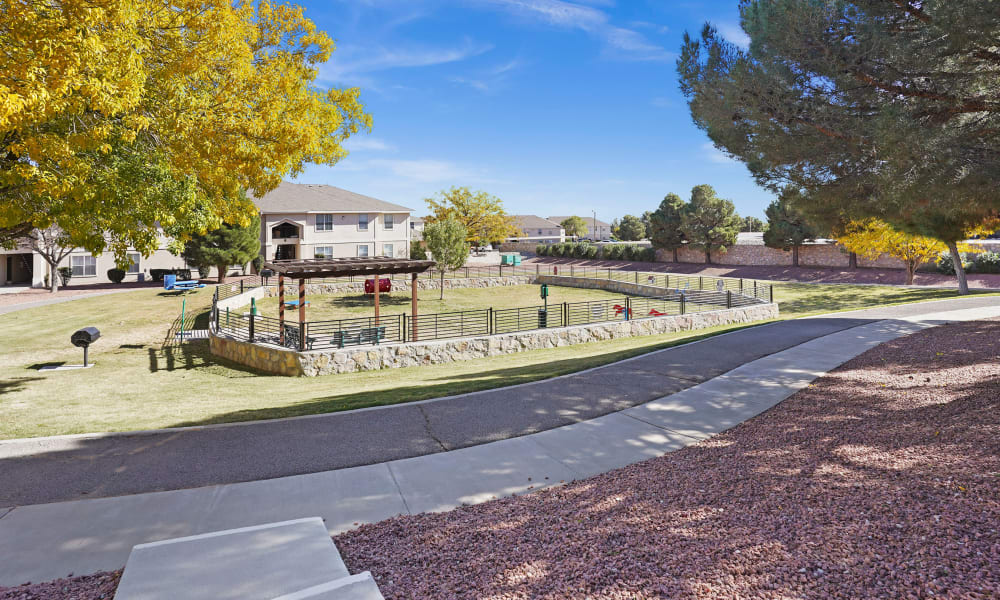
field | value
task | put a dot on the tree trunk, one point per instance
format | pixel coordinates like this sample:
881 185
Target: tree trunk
956 259
441 297
852 261
222 273
795 256
708 256
911 269
53 280
676 259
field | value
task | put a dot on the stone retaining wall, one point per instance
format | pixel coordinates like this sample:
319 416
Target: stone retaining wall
281 361
609 285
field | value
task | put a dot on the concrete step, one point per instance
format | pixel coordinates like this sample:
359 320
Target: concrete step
290 560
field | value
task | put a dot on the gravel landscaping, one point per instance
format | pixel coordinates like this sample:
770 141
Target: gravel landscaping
881 480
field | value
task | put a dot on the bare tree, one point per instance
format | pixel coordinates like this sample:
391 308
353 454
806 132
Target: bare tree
54 245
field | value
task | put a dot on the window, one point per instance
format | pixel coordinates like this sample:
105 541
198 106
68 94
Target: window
363 222
324 222
388 221
413 225
84 266
323 252
387 250
285 230
133 262
539 232
363 250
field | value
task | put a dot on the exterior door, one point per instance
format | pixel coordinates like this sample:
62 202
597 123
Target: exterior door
285 252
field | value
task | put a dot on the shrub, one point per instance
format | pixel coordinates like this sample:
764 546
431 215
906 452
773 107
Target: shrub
987 262
204 271
65 274
946 266
615 251
648 255
116 275
592 251
558 249
417 251
157 274
257 263
541 250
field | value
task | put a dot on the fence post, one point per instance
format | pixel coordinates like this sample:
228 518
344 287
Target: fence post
770 290
253 318
302 336
701 282
682 303
571 270
241 286
538 269
404 328
741 286
565 319
729 299
609 273
755 289
628 308
666 281
489 321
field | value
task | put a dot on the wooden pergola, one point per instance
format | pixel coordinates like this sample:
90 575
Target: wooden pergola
313 268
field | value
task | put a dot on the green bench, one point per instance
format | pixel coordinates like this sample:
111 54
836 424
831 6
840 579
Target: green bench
358 337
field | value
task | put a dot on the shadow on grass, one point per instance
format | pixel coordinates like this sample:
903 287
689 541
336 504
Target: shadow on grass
453 385
858 298
366 301
16 384
40 366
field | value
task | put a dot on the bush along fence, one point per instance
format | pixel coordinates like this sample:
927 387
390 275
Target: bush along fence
654 295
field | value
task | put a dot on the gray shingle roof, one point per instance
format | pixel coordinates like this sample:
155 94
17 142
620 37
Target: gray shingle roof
306 197
534 222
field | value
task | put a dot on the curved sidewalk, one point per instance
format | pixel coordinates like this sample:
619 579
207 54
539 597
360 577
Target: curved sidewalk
45 541
63 468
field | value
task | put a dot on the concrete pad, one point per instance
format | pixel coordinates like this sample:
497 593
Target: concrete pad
252 563
47 541
439 482
697 414
606 443
342 498
356 587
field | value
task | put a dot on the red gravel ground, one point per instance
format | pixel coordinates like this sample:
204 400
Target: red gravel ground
881 480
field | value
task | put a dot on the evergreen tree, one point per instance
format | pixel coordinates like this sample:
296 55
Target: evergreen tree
631 229
575 226
228 245
752 225
872 108
710 222
786 227
665 224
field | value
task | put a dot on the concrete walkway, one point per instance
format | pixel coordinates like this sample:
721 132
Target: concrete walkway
63 468
42 542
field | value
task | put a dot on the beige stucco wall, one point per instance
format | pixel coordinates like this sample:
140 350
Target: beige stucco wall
345 237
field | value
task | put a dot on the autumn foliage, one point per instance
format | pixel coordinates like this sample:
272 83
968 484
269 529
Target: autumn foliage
116 115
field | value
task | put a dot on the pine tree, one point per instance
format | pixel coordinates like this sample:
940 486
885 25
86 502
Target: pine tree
665 224
787 228
710 222
223 247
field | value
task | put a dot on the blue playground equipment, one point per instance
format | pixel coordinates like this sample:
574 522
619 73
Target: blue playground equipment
171 284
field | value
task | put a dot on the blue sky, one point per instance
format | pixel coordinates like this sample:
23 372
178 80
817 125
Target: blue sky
557 107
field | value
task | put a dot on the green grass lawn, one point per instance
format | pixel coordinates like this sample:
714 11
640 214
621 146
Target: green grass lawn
325 307
141 382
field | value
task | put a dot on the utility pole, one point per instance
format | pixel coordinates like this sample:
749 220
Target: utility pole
596 239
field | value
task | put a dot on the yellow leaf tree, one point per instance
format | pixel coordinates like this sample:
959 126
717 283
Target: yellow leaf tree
481 213
872 238
118 115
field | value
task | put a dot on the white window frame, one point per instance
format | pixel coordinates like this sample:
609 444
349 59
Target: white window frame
134 259
388 222
363 226
327 254
88 262
327 224
388 253
360 253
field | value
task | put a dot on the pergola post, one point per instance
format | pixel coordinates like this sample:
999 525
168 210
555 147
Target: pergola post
413 304
377 294
302 314
281 308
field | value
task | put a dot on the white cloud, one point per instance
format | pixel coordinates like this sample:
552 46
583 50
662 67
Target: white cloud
715 155
489 80
351 64
625 43
370 144
662 102
735 34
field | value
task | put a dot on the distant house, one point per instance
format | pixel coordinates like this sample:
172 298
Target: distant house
596 229
297 221
321 221
537 229
416 228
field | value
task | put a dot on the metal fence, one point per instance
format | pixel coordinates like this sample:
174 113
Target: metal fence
401 328
751 288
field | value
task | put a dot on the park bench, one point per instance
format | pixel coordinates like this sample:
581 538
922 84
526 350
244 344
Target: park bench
357 337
